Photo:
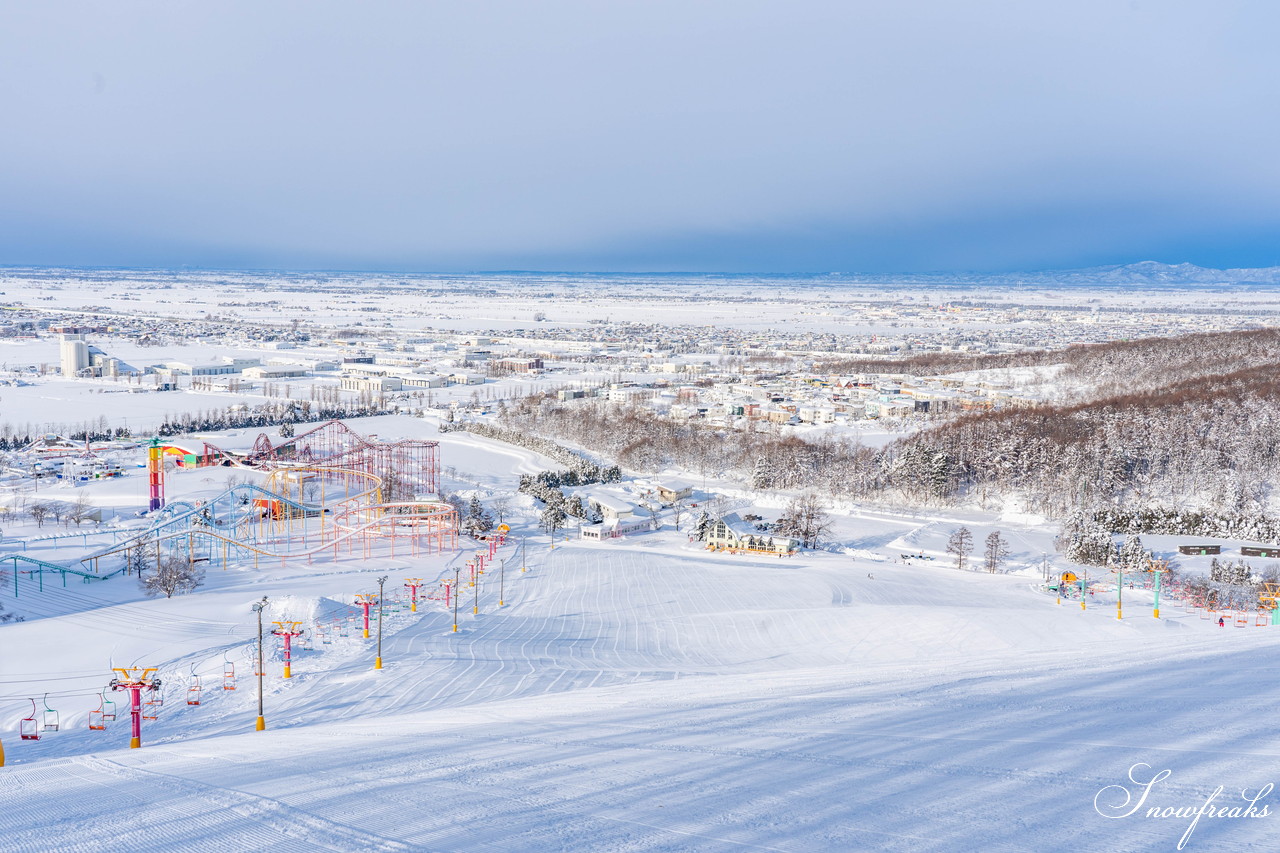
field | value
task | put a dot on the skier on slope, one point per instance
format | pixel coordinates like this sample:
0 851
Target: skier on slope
1222 622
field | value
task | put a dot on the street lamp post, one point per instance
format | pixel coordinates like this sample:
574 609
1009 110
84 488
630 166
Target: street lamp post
262 720
502 581
377 662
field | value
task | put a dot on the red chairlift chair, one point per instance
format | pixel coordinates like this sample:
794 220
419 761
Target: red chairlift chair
28 727
154 702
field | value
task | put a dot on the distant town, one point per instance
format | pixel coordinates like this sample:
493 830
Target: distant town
441 343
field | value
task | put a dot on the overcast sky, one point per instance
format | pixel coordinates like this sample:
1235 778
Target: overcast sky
612 135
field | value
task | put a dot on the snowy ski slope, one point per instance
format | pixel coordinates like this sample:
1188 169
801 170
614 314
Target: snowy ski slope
643 699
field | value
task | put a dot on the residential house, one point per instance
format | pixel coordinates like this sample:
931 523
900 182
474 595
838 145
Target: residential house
670 491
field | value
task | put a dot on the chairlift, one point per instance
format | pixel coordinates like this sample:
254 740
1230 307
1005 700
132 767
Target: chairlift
28 728
155 701
96 723
193 689
50 716
228 674
108 708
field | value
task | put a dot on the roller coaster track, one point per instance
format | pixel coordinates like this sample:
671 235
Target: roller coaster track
272 521
327 488
40 566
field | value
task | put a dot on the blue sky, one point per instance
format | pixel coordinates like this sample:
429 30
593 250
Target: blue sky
897 135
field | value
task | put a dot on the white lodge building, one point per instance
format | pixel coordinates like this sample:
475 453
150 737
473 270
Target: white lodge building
731 533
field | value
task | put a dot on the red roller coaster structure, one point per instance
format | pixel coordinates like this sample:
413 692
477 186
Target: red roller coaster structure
328 490
407 468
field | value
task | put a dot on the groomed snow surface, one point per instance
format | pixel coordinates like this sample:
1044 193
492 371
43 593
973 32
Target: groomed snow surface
644 696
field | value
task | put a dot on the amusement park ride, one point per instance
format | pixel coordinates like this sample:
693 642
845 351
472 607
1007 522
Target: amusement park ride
328 489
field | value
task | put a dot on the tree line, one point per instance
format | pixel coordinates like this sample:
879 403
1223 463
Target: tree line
265 415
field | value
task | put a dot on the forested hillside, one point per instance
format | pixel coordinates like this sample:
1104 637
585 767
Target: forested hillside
1102 370
1208 442
1169 425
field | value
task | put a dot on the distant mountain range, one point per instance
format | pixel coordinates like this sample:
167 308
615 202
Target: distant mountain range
1141 273
1154 272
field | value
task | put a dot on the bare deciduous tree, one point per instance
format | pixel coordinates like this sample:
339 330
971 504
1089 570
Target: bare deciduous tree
961 544
679 509
501 507
652 507
996 552
175 574
805 519
39 511
80 511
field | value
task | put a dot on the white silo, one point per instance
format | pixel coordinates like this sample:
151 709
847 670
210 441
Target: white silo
75 355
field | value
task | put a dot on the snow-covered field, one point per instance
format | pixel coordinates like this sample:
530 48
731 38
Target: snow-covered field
643 696
636 695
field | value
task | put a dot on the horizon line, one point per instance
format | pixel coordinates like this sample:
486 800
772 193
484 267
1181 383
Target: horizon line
720 273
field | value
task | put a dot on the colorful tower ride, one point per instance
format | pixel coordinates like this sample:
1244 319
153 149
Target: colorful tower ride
155 474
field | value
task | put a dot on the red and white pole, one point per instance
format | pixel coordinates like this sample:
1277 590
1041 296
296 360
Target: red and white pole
288 647
135 716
